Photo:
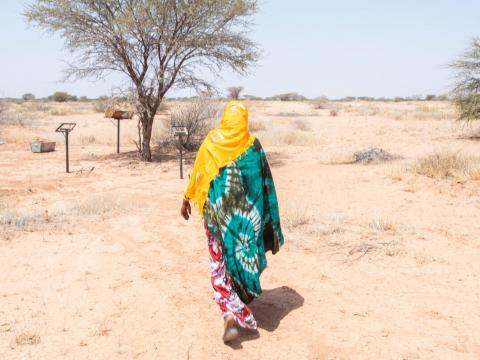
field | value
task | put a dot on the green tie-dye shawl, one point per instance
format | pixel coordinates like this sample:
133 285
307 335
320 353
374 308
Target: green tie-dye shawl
241 212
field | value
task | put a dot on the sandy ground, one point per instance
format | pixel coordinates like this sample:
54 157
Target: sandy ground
379 263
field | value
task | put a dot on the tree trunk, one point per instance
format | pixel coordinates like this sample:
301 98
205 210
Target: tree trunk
147 125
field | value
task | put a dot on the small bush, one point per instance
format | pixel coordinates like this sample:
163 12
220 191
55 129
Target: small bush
28 97
373 155
197 117
333 112
61 96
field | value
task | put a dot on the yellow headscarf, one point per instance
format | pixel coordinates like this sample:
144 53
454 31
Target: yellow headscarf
222 145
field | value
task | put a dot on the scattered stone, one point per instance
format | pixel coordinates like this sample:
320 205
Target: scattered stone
2 142
373 155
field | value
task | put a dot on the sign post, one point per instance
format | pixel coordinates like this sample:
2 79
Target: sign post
66 128
118 115
179 132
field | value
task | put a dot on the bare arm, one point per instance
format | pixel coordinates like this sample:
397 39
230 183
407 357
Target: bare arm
186 209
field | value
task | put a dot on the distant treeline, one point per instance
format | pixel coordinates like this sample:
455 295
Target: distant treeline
61 96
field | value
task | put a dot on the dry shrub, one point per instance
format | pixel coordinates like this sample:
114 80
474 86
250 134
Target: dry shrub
449 165
19 218
320 105
256 125
198 117
61 111
302 125
333 112
87 140
96 205
28 218
296 216
383 225
373 155
34 106
287 114
27 339
298 138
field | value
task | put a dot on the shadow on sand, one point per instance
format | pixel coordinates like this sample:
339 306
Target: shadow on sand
269 310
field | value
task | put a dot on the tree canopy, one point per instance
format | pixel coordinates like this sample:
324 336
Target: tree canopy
157 44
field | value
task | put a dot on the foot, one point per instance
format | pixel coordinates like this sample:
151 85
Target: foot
231 332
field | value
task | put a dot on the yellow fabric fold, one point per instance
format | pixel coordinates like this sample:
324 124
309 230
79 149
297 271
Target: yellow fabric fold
222 145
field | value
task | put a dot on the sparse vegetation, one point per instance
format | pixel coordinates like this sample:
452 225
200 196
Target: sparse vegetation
296 217
449 165
383 225
256 125
198 117
301 125
298 138
287 97
27 338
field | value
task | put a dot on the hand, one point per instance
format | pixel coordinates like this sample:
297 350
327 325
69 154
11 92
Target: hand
186 209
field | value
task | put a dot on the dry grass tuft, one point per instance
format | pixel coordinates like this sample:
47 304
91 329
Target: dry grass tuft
296 217
19 218
320 105
449 165
25 218
27 339
87 140
298 138
383 225
256 125
61 111
103 329
302 125
97 205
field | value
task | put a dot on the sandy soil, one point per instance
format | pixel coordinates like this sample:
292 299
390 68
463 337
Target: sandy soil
379 263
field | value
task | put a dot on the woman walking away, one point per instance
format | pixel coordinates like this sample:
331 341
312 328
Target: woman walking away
232 188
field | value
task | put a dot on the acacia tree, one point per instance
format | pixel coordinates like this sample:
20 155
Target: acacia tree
234 92
157 44
467 88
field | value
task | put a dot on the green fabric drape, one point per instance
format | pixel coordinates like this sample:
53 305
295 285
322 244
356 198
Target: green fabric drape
241 211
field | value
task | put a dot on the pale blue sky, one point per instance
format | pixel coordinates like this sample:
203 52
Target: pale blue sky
333 48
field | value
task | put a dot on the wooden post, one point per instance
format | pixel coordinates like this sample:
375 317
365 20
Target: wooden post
181 156
66 153
118 136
